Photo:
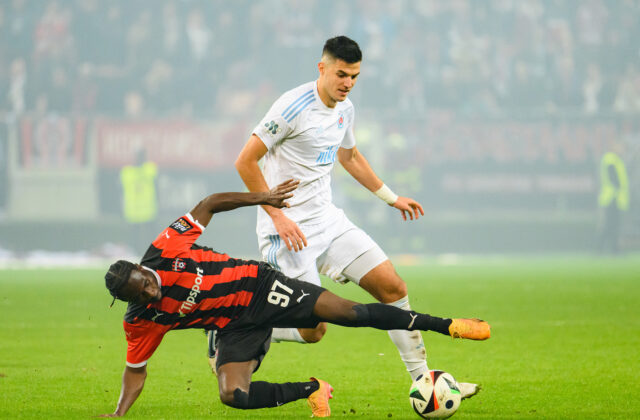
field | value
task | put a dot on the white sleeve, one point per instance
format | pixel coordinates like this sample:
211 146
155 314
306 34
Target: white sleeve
274 127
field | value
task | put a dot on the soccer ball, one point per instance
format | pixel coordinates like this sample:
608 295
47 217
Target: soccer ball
435 395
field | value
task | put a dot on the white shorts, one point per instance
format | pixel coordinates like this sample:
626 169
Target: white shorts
332 246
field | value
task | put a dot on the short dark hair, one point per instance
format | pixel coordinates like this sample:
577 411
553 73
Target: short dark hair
117 276
343 48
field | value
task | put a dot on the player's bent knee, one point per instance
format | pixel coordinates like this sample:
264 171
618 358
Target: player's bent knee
226 398
236 398
400 290
313 335
393 291
384 284
362 316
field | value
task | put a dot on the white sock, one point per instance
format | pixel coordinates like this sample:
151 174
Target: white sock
409 344
286 334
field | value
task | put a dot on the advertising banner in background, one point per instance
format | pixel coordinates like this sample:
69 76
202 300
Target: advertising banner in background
53 142
460 164
507 179
170 144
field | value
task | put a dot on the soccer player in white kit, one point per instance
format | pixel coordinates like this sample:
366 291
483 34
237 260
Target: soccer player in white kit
302 135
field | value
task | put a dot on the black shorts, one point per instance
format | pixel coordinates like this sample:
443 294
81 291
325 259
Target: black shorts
278 301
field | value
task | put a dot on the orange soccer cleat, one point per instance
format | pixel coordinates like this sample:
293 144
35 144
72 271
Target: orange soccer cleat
319 400
471 328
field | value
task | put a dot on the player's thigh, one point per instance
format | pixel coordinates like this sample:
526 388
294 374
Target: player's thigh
300 265
242 345
283 301
349 244
334 309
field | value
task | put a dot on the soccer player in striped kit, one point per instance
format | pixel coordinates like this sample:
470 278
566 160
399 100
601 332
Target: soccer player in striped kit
182 285
302 135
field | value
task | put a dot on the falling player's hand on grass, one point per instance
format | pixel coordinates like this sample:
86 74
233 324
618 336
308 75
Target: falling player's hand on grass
277 195
408 206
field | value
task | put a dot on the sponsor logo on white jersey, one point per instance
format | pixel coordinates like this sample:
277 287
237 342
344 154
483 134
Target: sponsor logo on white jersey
328 156
272 128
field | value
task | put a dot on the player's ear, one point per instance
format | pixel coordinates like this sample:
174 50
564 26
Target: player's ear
321 67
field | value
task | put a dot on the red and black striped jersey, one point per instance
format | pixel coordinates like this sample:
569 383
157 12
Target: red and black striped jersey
201 288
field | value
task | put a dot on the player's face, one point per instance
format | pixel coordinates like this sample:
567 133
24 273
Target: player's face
337 78
142 288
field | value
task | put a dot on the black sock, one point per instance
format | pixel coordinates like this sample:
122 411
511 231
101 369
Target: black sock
266 394
426 322
386 317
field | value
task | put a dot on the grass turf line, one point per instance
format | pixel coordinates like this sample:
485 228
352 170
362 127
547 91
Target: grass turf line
565 339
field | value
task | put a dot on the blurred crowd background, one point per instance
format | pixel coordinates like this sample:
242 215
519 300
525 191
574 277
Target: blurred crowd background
194 58
495 114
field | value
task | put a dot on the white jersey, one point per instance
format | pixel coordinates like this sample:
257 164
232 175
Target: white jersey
302 136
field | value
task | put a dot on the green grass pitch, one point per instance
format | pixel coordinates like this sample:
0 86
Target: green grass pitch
565 345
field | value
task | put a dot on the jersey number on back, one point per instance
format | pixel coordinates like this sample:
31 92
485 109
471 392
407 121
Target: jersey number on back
277 298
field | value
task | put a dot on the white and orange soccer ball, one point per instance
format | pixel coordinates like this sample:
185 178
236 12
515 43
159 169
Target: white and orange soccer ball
435 395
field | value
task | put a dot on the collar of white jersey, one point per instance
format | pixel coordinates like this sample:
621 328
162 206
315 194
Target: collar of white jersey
156 275
321 104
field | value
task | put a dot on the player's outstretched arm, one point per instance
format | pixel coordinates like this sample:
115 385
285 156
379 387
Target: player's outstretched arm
358 167
216 203
132 384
